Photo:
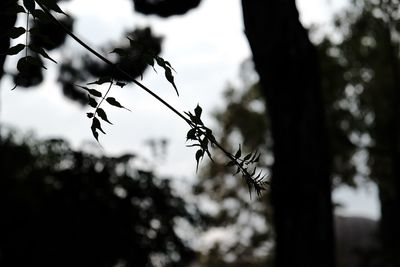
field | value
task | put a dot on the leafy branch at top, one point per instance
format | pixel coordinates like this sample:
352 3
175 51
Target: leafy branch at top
199 135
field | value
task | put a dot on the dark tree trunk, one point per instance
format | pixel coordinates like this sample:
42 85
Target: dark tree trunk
7 21
389 179
287 64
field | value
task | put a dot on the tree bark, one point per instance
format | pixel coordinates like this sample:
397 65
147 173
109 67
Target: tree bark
287 65
7 21
389 179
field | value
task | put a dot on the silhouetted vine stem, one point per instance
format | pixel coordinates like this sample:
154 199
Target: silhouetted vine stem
198 132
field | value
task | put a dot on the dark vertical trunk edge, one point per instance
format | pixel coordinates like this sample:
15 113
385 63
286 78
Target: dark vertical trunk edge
287 65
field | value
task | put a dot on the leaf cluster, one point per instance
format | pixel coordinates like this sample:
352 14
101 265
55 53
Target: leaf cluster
30 65
93 101
202 137
147 55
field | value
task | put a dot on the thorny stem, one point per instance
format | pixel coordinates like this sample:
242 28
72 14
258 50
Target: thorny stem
162 101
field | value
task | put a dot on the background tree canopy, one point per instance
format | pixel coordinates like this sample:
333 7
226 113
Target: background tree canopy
62 207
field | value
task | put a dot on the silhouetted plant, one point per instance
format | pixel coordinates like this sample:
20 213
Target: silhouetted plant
199 133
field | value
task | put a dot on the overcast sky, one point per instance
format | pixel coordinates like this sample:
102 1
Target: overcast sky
206 48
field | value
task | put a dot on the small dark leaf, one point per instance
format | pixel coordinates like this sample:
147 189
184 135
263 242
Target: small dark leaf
30 5
24 64
209 154
193 118
193 145
15 49
149 59
112 101
95 134
191 134
103 115
248 156
198 111
14 9
238 153
253 172
39 14
93 92
199 155
34 31
96 125
134 43
41 51
169 65
89 115
52 5
35 61
17 32
120 84
204 143
170 78
101 81
92 102
254 156
120 51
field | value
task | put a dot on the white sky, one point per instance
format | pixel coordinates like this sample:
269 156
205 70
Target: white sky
204 47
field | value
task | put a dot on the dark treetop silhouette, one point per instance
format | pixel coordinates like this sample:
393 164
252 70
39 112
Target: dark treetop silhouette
61 207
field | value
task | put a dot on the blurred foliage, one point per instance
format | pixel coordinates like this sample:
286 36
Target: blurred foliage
62 207
366 58
242 220
358 69
45 34
360 79
85 68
